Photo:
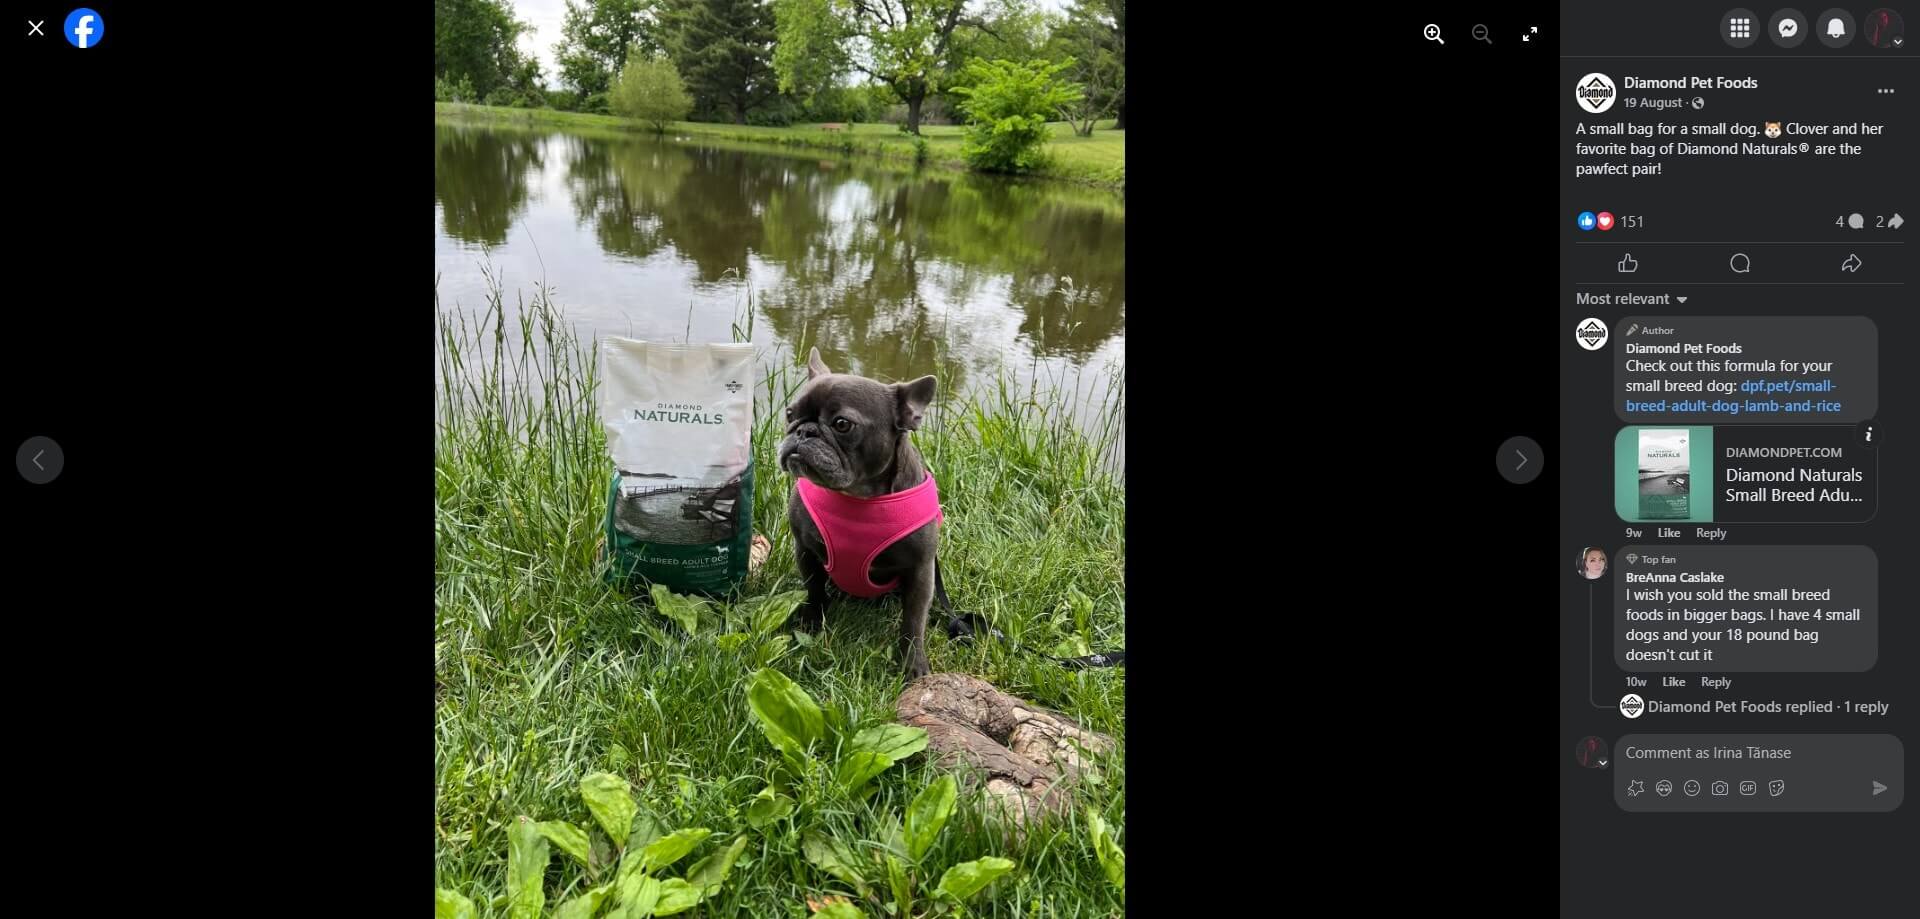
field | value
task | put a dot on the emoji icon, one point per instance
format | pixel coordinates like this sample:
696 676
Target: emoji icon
1773 130
1585 220
1604 220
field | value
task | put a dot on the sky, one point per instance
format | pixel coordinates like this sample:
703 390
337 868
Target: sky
546 17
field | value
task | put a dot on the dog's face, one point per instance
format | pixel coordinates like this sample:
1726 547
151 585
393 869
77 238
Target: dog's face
842 430
1773 130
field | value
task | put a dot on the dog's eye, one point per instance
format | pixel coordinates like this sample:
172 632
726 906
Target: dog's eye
842 425
789 414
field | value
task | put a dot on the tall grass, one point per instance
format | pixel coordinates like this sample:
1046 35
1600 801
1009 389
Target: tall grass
542 674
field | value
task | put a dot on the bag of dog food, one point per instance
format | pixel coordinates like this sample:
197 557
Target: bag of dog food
679 422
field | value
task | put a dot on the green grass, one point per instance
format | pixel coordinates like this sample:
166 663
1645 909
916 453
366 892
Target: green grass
1100 159
543 675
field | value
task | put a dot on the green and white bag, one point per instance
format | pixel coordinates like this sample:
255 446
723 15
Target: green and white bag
679 421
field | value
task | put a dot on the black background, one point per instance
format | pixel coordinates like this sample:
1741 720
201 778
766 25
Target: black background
219 607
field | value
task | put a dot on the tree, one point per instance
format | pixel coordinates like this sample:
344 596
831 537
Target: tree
525 81
1117 9
596 38
1010 30
724 49
902 43
1002 30
474 40
1007 105
1085 42
649 89
810 51
1095 37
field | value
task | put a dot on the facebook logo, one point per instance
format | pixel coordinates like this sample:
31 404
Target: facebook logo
84 28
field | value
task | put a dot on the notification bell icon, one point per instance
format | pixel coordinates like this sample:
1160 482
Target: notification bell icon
1836 28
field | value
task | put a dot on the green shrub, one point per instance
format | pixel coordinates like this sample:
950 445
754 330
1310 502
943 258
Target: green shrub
1007 105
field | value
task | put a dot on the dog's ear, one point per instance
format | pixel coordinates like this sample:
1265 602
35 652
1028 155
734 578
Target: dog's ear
911 401
815 366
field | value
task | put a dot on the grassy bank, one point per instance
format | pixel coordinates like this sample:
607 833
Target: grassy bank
1098 160
542 675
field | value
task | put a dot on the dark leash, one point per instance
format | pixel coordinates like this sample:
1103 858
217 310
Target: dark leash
961 627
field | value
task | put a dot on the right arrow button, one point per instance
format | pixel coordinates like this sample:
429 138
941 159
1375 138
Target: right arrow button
1519 460
1878 788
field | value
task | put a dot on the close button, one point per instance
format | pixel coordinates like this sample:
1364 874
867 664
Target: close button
1520 460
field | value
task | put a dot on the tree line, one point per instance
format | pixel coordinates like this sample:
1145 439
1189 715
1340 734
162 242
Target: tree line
783 61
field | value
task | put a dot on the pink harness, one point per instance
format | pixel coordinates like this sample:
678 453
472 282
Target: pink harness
860 528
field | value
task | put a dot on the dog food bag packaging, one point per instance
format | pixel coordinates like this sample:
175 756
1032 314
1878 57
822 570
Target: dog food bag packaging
679 420
1664 474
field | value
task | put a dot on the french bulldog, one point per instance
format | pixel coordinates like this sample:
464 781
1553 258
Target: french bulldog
848 445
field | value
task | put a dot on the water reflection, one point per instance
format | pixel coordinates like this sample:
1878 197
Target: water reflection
891 274
480 180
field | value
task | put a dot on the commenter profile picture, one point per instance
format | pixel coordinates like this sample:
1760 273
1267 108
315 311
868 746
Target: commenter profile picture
1592 564
1595 93
1591 333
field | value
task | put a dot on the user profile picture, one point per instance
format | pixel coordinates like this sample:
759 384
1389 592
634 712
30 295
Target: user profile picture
1592 563
1632 706
1883 29
1595 93
1591 753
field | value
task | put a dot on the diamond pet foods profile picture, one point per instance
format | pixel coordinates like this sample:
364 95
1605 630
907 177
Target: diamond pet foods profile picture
1594 92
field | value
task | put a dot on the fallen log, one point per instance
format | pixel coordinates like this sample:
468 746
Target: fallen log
1027 758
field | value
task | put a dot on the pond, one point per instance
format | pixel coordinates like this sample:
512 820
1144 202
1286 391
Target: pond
892 273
